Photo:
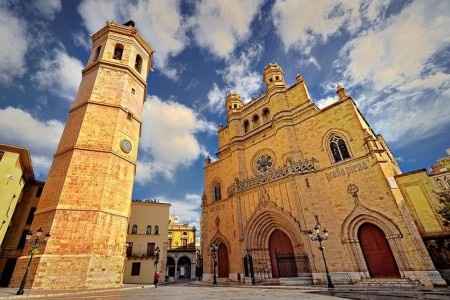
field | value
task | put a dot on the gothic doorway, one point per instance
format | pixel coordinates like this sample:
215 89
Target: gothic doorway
222 260
377 253
282 256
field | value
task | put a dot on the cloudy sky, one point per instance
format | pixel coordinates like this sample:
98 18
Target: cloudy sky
392 56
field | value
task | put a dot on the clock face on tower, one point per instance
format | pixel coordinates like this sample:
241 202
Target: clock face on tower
125 146
264 163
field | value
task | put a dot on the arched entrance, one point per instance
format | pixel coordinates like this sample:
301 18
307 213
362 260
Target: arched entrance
222 261
184 268
282 256
170 266
377 253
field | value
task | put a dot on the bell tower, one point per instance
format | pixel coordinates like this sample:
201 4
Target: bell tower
86 201
274 77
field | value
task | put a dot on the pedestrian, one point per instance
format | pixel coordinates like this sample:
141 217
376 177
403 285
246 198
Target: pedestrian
156 279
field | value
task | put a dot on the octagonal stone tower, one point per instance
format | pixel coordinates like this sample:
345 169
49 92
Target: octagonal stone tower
86 201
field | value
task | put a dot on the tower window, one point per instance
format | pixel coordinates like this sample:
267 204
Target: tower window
148 230
217 195
156 229
134 229
138 63
97 52
39 191
277 77
118 51
246 126
234 106
133 91
129 249
339 148
31 216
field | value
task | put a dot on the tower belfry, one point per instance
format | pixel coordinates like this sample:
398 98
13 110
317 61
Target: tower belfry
87 198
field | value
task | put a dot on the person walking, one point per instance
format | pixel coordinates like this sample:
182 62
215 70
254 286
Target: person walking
156 279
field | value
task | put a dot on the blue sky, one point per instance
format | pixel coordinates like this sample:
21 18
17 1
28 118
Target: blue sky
392 56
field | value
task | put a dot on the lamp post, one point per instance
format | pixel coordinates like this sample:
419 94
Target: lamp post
319 235
156 258
35 245
214 248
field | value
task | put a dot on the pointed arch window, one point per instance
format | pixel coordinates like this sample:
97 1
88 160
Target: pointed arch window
339 148
148 230
265 114
118 51
246 126
255 120
138 63
156 229
217 195
134 229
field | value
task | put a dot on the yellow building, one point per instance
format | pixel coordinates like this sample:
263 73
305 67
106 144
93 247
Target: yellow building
421 190
283 165
15 172
21 222
86 200
182 255
147 231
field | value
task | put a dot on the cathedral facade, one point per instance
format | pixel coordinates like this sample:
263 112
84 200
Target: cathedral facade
283 166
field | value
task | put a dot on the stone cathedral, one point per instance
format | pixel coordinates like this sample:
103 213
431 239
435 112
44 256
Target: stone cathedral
87 198
283 165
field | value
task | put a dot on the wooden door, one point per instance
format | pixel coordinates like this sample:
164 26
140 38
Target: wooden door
222 257
282 256
379 258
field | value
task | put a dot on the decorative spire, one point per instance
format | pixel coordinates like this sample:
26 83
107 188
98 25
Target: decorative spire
340 91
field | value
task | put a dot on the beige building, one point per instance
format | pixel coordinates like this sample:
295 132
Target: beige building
282 161
182 254
147 231
86 200
16 172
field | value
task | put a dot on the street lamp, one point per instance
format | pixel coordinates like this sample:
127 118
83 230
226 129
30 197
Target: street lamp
321 235
156 258
35 245
214 248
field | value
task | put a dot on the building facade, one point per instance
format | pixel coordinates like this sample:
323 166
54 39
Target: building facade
182 254
282 164
19 197
147 231
86 200
423 191
15 172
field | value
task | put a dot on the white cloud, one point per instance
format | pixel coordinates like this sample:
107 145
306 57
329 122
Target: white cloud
48 8
160 22
169 138
406 90
186 209
324 102
14 43
302 24
41 137
221 25
60 74
237 76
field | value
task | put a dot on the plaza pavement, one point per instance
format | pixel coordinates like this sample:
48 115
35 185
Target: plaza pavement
191 291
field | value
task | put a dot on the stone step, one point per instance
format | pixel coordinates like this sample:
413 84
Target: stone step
300 280
395 282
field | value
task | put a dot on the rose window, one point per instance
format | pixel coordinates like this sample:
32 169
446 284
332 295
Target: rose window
264 163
